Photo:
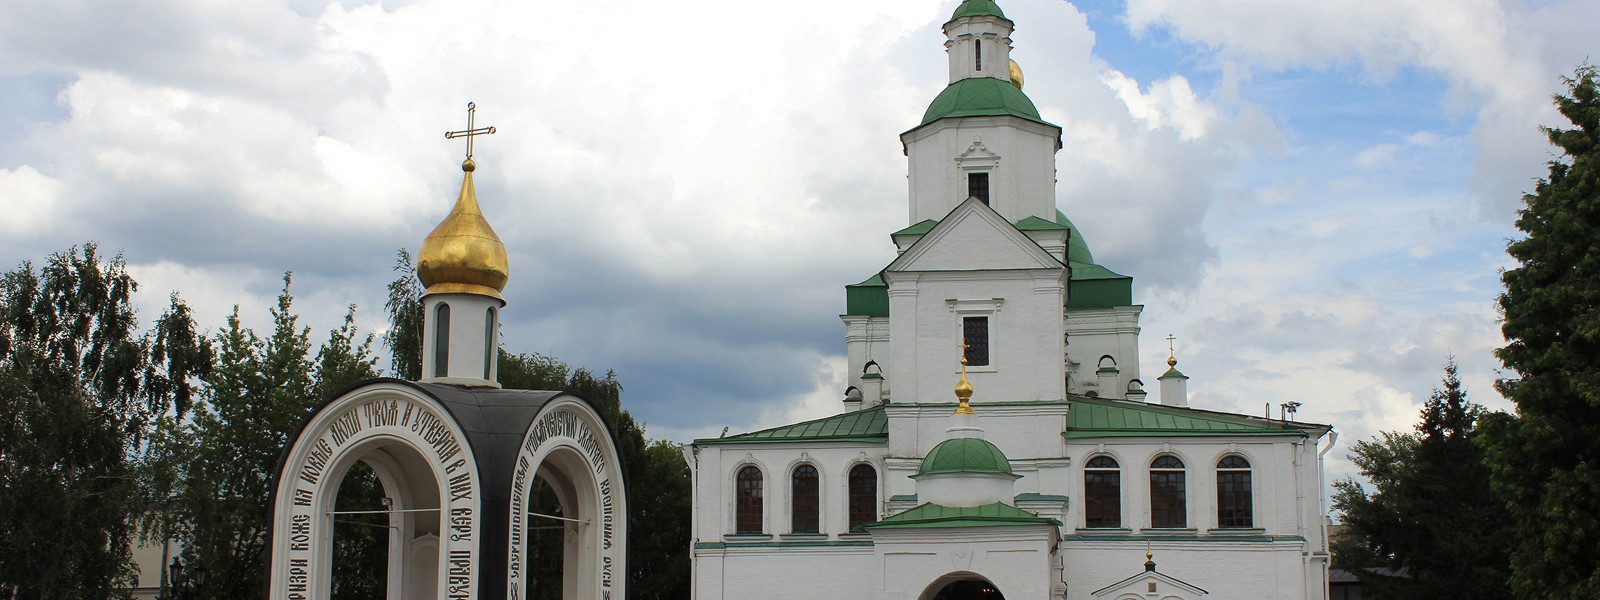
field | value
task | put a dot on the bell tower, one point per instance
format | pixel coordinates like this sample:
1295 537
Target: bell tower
979 42
982 137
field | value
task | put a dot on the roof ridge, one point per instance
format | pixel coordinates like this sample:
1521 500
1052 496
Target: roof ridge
865 423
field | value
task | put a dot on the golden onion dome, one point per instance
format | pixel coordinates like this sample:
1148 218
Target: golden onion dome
1016 75
463 254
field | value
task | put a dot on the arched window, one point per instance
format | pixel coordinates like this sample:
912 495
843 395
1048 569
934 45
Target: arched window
1167 508
441 340
1102 493
747 501
803 500
488 343
1233 492
863 495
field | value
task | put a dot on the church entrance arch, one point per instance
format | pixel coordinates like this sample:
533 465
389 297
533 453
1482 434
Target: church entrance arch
962 586
567 447
421 458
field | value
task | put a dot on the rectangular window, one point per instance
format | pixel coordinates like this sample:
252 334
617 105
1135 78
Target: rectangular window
978 185
1102 498
1233 499
1166 500
975 334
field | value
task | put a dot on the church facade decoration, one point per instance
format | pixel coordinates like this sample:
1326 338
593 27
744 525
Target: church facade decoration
1051 470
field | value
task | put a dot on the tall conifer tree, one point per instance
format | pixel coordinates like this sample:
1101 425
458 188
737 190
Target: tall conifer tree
1431 527
1546 462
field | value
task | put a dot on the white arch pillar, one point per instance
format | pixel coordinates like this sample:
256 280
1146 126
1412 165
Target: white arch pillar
568 446
424 461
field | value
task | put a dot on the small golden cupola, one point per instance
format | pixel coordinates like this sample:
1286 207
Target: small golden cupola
463 267
463 254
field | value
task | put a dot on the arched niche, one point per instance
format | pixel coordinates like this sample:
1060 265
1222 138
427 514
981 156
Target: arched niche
568 446
427 468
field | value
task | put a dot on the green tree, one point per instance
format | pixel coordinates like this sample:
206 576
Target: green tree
79 392
1431 527
1547 462
656 475
404 337
218 466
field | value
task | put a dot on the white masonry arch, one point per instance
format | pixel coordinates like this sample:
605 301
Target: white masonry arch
567 445
426 466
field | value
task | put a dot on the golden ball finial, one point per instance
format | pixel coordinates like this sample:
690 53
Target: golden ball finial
1172 361
463 254
1016 75
963 387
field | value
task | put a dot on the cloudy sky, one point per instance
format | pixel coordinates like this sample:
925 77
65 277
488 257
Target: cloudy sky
1313 197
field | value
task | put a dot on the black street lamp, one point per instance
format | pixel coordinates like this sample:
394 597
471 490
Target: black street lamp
180 588
174 574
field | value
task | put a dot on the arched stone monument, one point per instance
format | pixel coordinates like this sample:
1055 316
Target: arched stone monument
457 456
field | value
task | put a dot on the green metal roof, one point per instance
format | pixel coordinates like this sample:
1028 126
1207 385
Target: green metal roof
1038 224
1023 497
977 8
1089 271
869 425
981 96
920 228
1077 248
870 298
988 515
1034 497
1104 417
965 455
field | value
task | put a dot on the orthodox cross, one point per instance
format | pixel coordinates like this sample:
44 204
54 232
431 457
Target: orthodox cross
1170 351
963 346
472 107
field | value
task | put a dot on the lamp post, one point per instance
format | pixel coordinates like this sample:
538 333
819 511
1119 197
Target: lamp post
199 577
184 589
174 575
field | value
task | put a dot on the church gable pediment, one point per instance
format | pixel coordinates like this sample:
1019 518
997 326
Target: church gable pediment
974 237
1150 584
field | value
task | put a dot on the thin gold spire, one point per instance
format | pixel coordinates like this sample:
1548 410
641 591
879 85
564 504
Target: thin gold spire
1172 355
963 388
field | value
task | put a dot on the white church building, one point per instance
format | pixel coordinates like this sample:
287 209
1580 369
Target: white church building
996 440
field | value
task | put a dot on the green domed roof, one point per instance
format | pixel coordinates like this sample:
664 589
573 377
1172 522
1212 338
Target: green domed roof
977 8
965 455
980 96
1077 249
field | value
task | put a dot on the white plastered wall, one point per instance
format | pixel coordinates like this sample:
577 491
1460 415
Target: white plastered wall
1021 181
1095 332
